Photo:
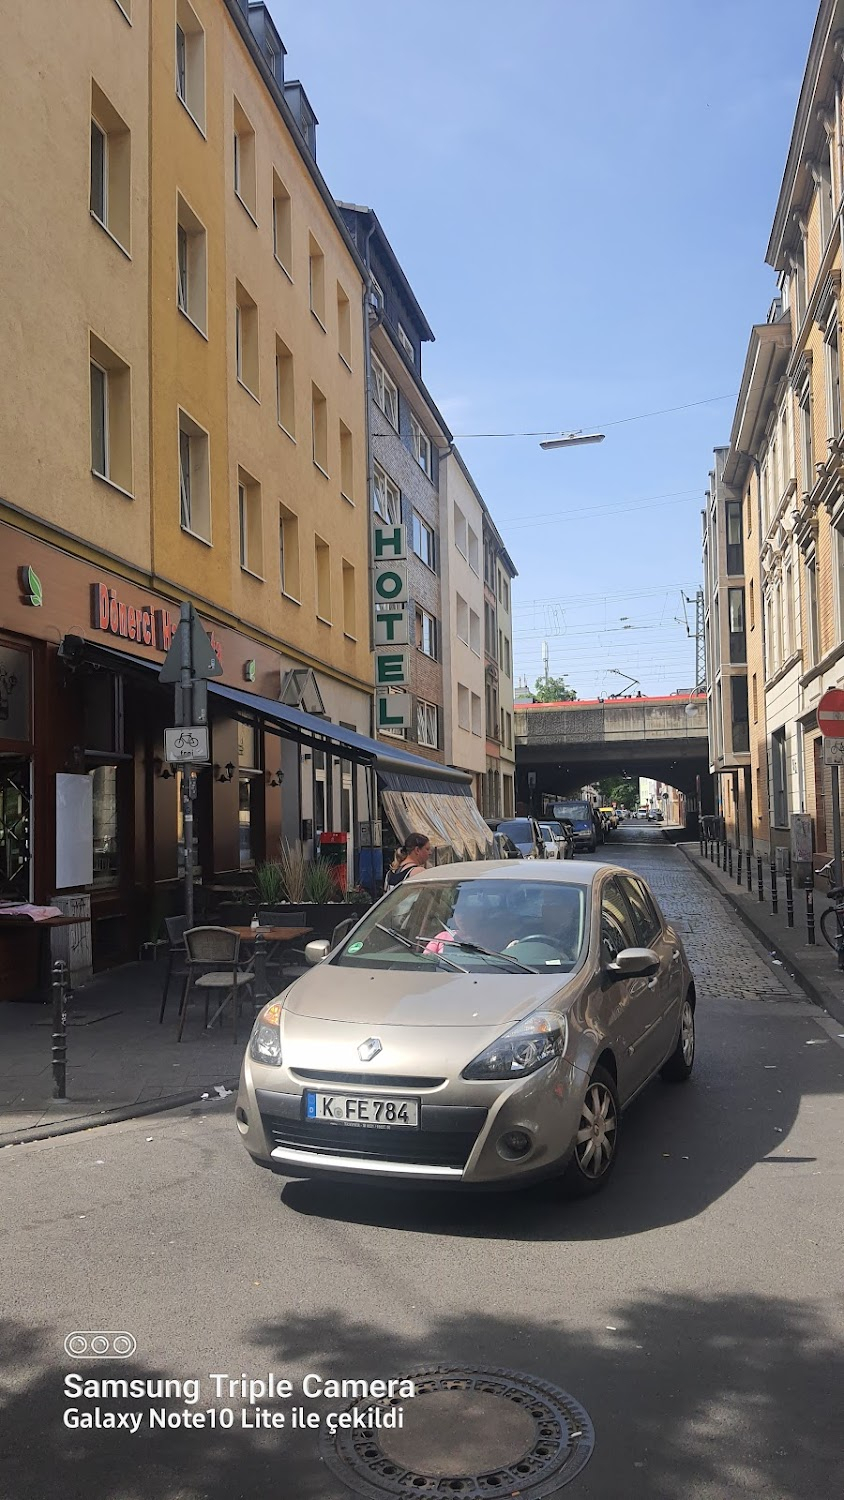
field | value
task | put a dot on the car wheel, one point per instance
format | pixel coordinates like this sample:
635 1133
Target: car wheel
679 1065
590 848
596 1138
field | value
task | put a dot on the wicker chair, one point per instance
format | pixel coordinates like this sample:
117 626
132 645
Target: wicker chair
176 958
213 966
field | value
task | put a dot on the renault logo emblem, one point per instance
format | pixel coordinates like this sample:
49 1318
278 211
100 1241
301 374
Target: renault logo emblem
369 1049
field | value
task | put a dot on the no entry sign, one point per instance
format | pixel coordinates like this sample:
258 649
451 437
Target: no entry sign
831 714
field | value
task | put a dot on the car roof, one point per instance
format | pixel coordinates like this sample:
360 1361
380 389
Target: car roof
566 872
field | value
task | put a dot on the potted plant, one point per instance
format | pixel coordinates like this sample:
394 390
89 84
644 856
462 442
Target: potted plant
269 885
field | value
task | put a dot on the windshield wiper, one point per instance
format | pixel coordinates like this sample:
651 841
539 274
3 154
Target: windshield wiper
411 944
490 953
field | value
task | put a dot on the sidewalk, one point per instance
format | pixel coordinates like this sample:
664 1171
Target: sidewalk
120 1061
814 967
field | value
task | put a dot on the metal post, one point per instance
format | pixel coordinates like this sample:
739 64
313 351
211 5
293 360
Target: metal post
760 887
749 872
730 859
59 1029
738 866
789 897
774 896
836 827
810 912
260 966
718 854
185 719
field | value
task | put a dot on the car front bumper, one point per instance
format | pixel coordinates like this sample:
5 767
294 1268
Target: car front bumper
457 1144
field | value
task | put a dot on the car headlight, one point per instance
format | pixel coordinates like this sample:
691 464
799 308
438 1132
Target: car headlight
528 1045
265 1041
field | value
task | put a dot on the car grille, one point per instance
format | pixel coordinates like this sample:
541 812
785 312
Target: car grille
427 1148
376 1080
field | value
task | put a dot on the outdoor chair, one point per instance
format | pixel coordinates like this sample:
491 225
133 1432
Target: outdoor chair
277 956
295 963
176 958
212 958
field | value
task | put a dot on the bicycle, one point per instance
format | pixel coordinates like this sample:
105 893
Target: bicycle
832 921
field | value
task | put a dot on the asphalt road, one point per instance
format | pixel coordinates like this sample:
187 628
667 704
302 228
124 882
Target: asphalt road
694 1309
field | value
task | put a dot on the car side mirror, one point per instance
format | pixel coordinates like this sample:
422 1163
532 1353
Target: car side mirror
634 963
316 950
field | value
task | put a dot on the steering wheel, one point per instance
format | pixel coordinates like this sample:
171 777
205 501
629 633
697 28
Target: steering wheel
534 937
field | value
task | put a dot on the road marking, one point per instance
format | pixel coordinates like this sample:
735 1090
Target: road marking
832 1028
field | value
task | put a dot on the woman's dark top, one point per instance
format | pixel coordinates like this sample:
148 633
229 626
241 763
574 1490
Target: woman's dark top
395 877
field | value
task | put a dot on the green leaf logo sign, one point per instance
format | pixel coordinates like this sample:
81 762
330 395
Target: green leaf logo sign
31 587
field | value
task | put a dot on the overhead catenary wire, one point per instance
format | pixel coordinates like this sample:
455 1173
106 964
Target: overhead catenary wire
595 426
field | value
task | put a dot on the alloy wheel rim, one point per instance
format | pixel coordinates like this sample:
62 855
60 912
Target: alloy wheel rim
687 1033
596 1133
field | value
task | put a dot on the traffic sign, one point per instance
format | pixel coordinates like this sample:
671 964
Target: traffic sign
204 660
831 714
188 746
833 752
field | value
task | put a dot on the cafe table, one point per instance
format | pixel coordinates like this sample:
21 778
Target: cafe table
264 939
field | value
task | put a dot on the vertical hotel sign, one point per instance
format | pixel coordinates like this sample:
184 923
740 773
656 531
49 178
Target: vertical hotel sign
389 603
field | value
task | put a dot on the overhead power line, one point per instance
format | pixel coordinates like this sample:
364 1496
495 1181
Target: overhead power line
617 422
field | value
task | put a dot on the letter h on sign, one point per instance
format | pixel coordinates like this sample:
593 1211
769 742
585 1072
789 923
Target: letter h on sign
389 543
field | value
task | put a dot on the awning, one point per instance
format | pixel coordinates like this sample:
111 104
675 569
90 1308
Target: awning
444 810
291 723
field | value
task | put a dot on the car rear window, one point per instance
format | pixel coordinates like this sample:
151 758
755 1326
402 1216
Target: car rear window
518 829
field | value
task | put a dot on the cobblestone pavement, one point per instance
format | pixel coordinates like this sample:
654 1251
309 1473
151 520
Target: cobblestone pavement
727 962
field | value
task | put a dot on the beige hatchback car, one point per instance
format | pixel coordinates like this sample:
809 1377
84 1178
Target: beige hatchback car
482 1025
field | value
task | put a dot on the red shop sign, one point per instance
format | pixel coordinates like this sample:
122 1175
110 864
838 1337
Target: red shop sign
135 622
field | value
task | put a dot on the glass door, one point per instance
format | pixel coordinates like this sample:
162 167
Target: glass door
15 828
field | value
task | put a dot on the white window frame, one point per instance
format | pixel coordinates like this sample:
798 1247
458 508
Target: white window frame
430 627
185 481
104 472
386 496
832 375
182 271
406 343
243 524
421 529
427 724
461 532
181 65
103 133
422 448
386 392
461 605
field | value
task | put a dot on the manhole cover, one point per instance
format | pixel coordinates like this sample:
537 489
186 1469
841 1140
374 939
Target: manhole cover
467 1432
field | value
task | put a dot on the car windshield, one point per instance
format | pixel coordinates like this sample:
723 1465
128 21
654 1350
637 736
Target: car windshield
517 829
473 925
577 812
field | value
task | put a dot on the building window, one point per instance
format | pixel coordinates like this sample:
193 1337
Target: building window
489 564
245 170
738 642
322 570
423 541
812 608
316 280
461 536
800 279
319 428
191 272
386 497
506 659
752 605
246 340
111 175
490 641
833 378
823 182
344 326
735 544
350 613
806 443
473 553
462 613
282 225
464 719
285 397
789 637
509 731
477 720
427 724
740 725
779 778
347 465
755 695
194 485
407 344
385 392
426 633
111 416
475 632
421 445
250 523
190 62
288 552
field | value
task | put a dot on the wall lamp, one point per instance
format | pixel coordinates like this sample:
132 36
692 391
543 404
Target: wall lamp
277 779
161 769
224 773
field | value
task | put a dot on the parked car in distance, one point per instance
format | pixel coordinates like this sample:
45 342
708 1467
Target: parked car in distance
504 848
482 1025
524 833
654 815
558 843
610 817
579 813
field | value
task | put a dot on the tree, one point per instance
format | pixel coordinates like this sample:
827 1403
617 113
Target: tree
622 789
553 690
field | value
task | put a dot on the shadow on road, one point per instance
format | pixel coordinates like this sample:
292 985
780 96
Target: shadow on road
690 1395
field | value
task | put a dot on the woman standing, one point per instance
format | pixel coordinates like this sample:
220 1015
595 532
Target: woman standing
413 855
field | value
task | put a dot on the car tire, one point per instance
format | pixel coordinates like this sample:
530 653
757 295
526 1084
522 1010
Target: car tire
578 1180
678 1068
590 848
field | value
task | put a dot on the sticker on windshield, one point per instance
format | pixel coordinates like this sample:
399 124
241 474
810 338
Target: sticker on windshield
355 947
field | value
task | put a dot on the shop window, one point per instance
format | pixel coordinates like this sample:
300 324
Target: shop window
15 824
248 793
106 860
15 695
102 713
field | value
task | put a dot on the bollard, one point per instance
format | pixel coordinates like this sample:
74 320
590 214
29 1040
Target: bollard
789 897
730 859
749 872
738 867
810 914
260 966
760 887
718 853
59 1030
774 896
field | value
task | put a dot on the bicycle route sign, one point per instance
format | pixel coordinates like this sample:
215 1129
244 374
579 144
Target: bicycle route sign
188 746
831 714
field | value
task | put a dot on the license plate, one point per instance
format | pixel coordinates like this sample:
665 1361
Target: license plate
352 1109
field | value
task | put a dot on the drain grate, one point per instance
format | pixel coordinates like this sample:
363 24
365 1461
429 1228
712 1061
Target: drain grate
468 1432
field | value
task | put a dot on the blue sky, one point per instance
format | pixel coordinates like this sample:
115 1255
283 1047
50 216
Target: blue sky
581 196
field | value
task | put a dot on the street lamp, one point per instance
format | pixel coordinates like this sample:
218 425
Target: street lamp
572 439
